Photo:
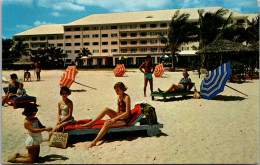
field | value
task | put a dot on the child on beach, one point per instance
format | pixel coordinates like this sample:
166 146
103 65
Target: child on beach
65 109
21 91
27 75
12 89
148 71
121 117
183 85
34 127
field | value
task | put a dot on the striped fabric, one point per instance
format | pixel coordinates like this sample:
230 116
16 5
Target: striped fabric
119 71
159 70
215 81
68 76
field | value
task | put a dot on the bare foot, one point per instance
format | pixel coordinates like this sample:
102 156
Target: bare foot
144 95
91 145
13 159
86 125
159 90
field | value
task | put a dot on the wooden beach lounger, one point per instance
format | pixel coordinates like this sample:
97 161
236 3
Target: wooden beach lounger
170 94
20 100
137 122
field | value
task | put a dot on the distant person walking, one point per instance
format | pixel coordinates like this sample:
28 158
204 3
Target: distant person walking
37 65
148 71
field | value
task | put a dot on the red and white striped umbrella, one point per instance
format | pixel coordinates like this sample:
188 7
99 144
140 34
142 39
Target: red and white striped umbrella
159 70
68 76
119 71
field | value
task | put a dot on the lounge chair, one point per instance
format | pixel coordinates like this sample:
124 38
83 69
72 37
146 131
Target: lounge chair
170 94
20 100
137 117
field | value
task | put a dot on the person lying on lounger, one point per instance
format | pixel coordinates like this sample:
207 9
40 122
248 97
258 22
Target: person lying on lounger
119 118
183 85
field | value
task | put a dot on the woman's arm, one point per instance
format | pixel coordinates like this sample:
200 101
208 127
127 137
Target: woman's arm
128 109
70 112
188 86
28 126
59 112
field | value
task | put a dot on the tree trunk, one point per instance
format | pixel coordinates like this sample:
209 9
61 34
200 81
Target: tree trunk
173 59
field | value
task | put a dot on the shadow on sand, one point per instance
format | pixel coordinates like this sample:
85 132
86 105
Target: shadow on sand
78 90
175 98
228 98
50 158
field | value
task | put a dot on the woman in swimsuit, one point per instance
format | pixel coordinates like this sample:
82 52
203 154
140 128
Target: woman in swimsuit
119 118
183 85
65 109
12 89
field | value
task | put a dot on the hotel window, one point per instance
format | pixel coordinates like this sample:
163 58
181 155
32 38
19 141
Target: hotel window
95 36
123 34
123 42
143 42
163 49
68 44
123 50
153 25
133 34
113 27
77 36
230 21
133 26
184 48
143 34
96 51
104 43
59 37
17 39
153 41
42 38
51 45
26 38
77 29
114 35
164 33
163 41
113 42
104 27
104 50
143 26
51 38
33 39
67 37
68 51
133 42
86 36
123 27
77 44
77 51
34 45
133 50
240 21
153 49
114 50
42 45
163 25
67 29
60 44
104 35
95 28
26 45
143 49
95 43
86 43
153 33
86 28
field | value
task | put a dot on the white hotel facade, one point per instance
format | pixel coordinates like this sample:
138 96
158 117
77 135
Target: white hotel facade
109 36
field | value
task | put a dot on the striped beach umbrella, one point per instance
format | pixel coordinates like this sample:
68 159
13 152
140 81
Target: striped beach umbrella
215 81
68 76
119 70
159 70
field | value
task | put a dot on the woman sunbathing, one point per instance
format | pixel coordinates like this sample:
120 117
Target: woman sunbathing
183 85
119 118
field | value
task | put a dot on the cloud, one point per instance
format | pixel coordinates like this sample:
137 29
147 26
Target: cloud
38 23
25 2
61 5
56 14
23 27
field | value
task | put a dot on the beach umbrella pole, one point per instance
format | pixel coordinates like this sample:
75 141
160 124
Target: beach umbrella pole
84 85
236 90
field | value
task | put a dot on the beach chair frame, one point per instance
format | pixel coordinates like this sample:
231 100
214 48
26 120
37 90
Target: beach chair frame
18 100
171 94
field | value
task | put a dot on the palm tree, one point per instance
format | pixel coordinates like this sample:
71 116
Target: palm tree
181 31
18 50
7 44
252 31
85 52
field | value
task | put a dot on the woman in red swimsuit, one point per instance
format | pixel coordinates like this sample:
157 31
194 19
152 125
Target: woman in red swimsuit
119 118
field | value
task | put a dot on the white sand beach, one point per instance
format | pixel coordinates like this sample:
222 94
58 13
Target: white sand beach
222 130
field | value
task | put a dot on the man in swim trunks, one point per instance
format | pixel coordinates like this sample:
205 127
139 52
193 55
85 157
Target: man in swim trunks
148 71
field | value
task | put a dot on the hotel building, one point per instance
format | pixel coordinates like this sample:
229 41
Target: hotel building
109 36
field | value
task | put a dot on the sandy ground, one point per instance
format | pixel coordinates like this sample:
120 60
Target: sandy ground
222 130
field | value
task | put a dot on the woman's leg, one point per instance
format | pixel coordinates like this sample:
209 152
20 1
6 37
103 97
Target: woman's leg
33 154
145 85
103 131
107 111
172 88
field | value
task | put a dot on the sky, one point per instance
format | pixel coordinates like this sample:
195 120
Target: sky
22 15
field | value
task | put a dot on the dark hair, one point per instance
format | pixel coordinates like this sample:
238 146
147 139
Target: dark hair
121 86
148 56
13 76
29 109
21 83
186 72
65 88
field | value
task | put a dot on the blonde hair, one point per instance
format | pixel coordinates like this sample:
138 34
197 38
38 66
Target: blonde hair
121 86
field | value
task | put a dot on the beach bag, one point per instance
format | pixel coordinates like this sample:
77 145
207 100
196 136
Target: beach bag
149 112
59 140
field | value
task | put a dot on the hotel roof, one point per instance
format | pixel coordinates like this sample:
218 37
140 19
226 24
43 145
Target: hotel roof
143 16
43 30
